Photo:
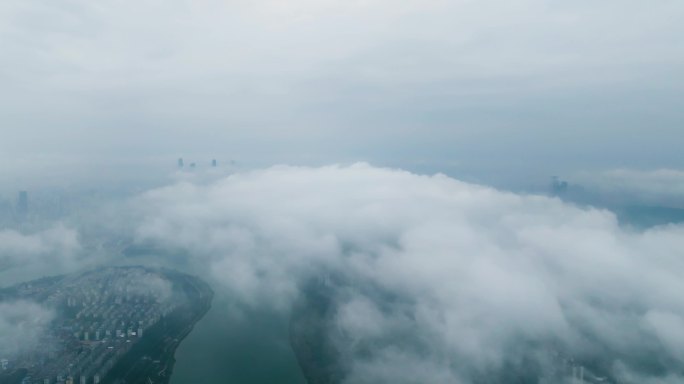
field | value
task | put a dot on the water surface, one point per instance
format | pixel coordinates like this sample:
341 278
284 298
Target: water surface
237 346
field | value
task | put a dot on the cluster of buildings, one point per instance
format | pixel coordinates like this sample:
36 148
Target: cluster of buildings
101 315
572 372
181 163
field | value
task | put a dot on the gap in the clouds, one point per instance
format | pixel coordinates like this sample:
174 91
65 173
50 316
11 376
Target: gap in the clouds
234 345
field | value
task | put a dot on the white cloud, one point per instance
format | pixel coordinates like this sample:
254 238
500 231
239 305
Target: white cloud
669 327
57 243
482 279
47 251
150 284
22 324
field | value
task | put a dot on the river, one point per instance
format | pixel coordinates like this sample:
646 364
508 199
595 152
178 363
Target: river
237 346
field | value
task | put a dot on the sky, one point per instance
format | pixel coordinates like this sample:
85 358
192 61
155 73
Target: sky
488 90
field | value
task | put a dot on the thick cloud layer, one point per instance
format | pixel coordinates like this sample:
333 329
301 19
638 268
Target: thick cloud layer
445 281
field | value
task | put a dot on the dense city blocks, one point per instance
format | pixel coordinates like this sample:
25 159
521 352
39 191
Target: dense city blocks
110 325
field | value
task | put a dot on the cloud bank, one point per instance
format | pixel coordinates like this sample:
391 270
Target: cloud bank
22 325
438 280
45 251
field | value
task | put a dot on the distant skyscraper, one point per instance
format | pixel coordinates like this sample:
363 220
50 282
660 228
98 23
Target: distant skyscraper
558 186
22 203
180 162
192 165
213 163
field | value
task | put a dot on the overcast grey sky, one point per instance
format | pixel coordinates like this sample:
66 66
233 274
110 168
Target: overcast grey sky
488 87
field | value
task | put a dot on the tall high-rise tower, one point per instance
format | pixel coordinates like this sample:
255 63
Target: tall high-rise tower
558 186
213 163
180 162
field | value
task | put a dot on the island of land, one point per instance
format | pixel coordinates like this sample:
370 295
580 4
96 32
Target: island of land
113 325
